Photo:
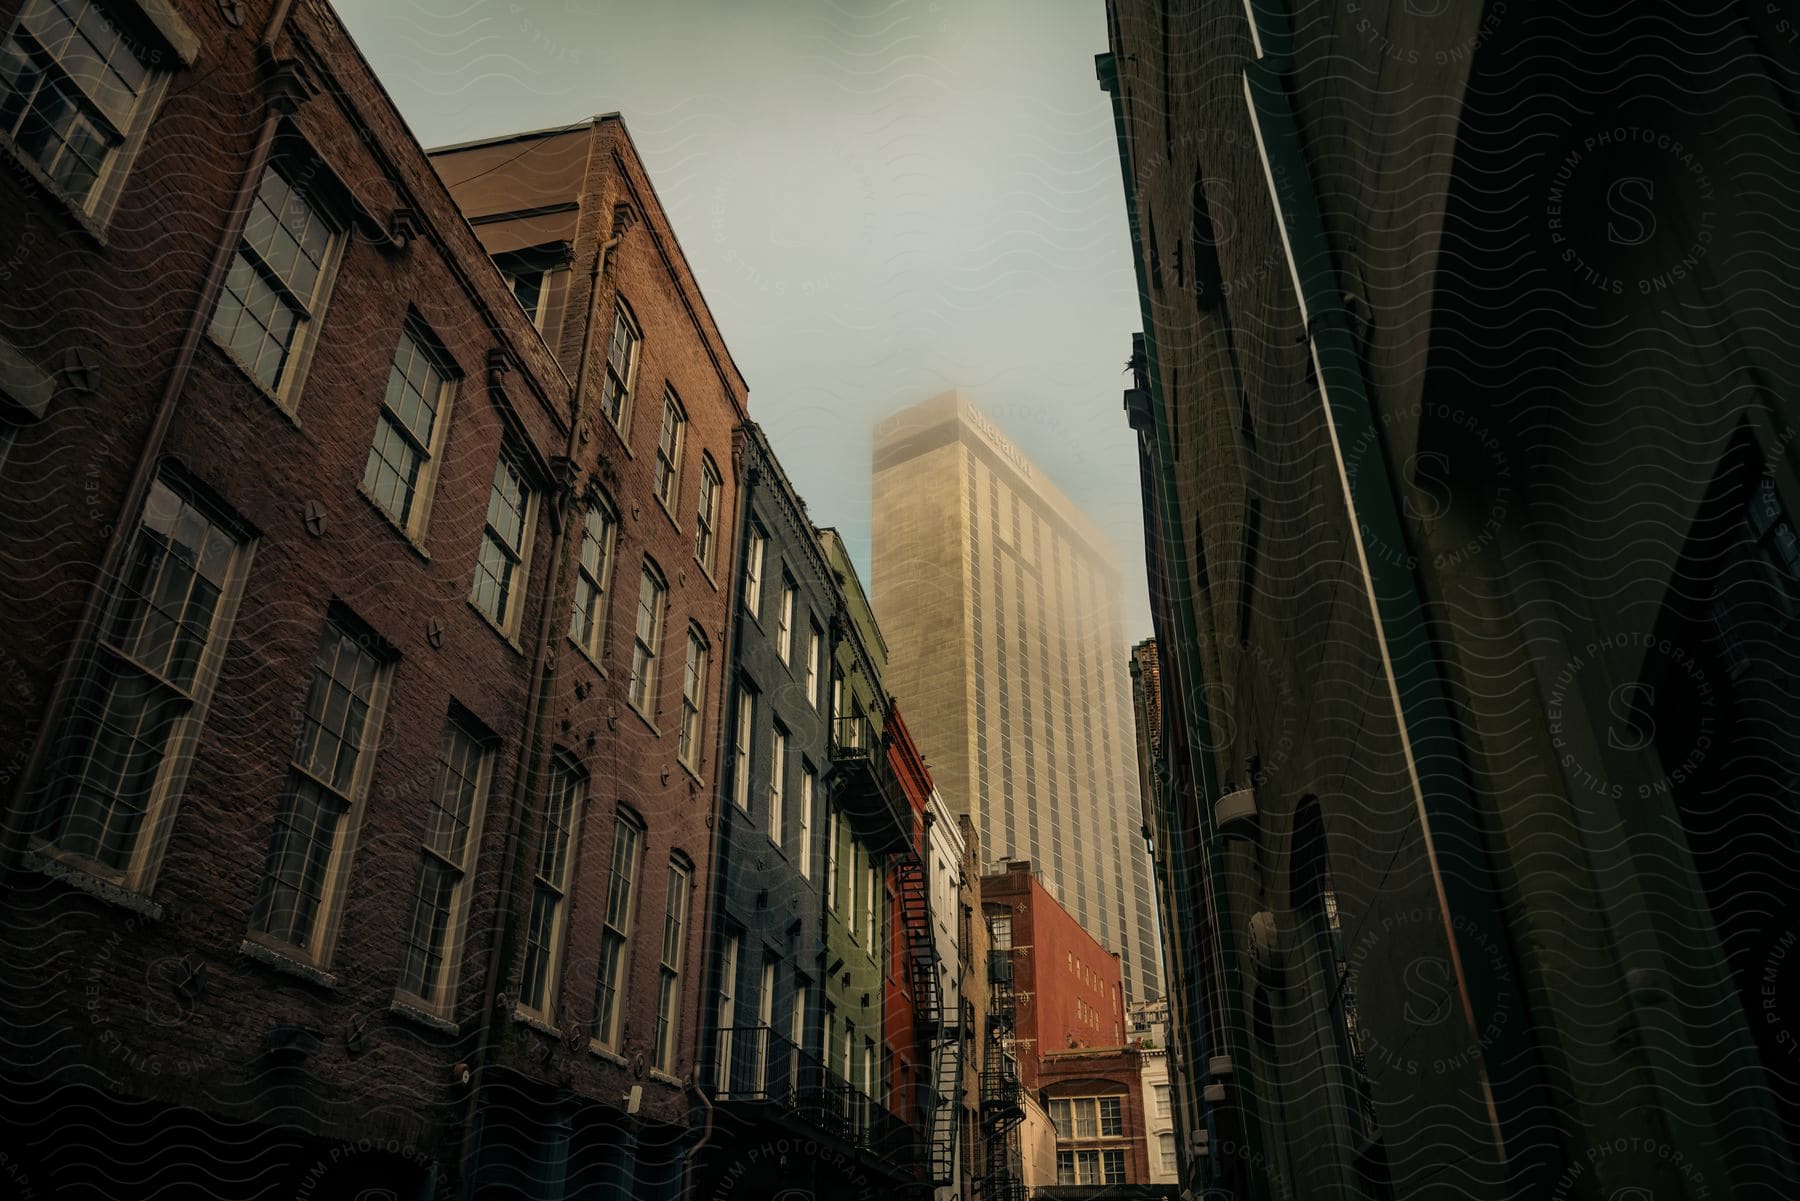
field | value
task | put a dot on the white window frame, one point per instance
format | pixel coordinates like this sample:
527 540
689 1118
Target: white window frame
439 996
548 264
765 1021
512 605
321 935
727 1010
164 506
753 571
706 519
690 731
871 900
595 581
797 1028
102 198
618 927
646 653
815 652
567 783
784 620
742 747
777 777
1088 1111
833 877
290 379
677 905
671 439
415 515
854 871
803 836
621 378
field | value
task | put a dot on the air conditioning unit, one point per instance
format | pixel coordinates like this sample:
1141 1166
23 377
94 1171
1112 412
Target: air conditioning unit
1235 810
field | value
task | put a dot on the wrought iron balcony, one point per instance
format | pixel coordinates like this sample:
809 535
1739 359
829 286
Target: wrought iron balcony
754 1065
864 787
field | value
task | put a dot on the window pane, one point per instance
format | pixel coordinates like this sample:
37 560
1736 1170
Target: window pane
668 450
502 548
159 624
564 791
69 89
621 362
337 710
648 642
293 891
585 621
444 862
428 936
404 428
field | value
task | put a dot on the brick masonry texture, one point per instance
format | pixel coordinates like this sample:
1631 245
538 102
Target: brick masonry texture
144 994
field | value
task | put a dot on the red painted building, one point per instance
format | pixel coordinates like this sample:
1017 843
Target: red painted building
1070 1035
1068 987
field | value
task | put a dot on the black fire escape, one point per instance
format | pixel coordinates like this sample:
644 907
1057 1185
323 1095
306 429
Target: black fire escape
939 1027
1002 1104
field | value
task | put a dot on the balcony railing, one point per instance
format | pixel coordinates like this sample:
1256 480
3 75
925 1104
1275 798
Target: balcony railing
756 1064
864 786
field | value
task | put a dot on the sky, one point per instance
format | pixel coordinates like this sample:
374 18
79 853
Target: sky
881 199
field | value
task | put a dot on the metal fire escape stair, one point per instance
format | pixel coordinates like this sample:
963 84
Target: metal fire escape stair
1002 1106
940 1035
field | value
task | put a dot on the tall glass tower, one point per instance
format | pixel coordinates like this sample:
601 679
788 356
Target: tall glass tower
1001 606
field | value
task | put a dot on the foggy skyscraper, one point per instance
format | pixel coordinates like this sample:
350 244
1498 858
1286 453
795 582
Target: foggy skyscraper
1001 606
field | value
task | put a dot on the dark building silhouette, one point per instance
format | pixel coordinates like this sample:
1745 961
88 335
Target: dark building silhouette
1469 484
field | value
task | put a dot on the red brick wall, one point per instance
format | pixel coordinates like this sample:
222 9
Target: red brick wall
1067 984
1103 1074
633 763
95 982
110 1010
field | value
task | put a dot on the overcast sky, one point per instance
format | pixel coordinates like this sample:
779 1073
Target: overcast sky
881 199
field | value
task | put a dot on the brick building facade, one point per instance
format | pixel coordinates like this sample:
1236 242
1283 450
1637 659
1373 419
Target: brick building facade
1068 986
362 617
1068 1032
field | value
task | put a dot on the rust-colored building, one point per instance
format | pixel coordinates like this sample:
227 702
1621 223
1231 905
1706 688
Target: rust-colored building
1068 986
1067 1032
908 1043
358 605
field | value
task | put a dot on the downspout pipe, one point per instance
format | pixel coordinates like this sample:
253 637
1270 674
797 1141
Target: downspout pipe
1225 988
542 678
284 94
1489 996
